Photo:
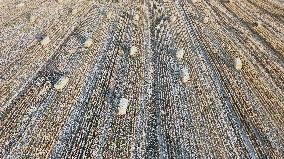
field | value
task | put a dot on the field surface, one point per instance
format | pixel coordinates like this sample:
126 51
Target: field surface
197 79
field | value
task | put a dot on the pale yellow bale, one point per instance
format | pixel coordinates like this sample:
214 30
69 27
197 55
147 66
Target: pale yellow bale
259 23
109 15
173 18
205 19
196 1
88 42
74 11
122 106
133 51
32 18
136 17
20 5
180 54
238 64
61 83
59 1
45 41
184 75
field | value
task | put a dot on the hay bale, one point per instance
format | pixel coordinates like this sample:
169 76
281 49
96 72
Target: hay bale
184 75
195 1
88 42
59 1
205 19
136 17
145 8
45 88
45 41
109 15
61 83
74 11
238 64
259 23
226 1
122 106
133 51
173 18
179 54
32 18
20 5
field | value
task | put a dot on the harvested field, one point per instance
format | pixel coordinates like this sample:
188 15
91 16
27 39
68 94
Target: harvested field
153 79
